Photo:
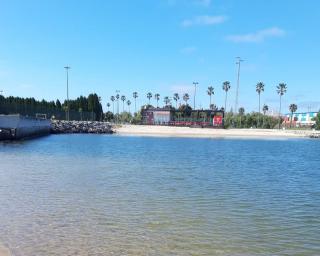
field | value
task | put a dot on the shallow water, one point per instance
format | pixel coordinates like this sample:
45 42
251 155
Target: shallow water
114 195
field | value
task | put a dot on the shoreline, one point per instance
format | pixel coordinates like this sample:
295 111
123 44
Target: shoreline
171 131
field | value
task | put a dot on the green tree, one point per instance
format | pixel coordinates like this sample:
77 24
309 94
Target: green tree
129 103
226 87
176 98
241 113
135 96
112 98
157 98
186 97
259 90
281 90
123 98
149 96
210 92
167 101
293 108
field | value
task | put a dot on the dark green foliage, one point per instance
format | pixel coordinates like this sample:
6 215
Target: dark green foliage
186 110
90 107
108 116
250 120
318 121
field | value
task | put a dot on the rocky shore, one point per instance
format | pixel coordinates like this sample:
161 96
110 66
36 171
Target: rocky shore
58 127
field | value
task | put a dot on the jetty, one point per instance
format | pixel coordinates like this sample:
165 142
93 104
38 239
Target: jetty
95 127
14 127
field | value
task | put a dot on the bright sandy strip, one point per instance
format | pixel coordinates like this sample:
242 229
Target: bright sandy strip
169 131
4 251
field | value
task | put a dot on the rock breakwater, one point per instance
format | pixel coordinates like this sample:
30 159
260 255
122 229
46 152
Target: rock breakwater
58 126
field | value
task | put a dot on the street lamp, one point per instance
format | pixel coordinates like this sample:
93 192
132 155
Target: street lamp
194 96
68 106
239 60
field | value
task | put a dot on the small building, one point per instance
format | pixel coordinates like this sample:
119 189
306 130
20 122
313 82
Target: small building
305 119
173 117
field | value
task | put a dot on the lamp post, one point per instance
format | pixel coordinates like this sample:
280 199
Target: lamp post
239 60
68 105
194 96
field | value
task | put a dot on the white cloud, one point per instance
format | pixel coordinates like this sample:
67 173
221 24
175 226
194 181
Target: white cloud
188 50
258 36
204 20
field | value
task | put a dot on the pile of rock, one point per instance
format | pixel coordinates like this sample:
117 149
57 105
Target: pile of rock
315 136
58 126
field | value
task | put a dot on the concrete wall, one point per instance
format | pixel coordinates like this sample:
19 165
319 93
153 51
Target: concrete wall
22 127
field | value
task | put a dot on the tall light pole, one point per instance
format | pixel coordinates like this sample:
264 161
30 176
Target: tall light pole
239 60
117 98
194 96
68 105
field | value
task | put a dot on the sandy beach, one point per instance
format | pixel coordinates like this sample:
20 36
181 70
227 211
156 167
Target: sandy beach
169 131
4 251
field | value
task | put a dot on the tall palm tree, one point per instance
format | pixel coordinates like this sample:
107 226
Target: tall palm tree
259 90
210 92
108 106
226 87
135 96
186 97
112 98
157 97
176 98
265 108
241 113
293 108
149 96
281 90
123 98
129 103
166 100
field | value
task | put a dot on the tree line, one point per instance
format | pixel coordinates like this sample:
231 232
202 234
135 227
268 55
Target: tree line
82 108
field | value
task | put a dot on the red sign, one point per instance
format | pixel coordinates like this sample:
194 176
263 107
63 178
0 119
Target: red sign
217 120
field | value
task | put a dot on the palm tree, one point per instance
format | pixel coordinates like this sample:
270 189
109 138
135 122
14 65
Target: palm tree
281 90
265 108
108 106
149 96
241 113
123 98
135 96
226 87
210 92
157 97
186 97
293 108
176 98
112 98
259 90
166 100
129 103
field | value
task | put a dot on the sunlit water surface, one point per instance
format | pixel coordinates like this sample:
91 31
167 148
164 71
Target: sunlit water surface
113 195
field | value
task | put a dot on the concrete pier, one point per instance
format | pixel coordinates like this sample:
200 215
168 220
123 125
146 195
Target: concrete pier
18 127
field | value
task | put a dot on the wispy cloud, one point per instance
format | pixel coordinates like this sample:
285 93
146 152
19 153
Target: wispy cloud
258 36
188 50
205 20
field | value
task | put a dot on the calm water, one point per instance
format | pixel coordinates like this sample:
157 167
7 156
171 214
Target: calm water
112 195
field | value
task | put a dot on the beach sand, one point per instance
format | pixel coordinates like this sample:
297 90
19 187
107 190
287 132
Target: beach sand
170 131
4 251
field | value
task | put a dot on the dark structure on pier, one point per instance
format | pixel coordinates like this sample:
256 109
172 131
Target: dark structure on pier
184 116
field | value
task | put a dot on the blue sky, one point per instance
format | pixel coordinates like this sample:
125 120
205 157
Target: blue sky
161 46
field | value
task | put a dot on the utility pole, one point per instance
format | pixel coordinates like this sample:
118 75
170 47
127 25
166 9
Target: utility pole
117 98
194 96
239 60
68 105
